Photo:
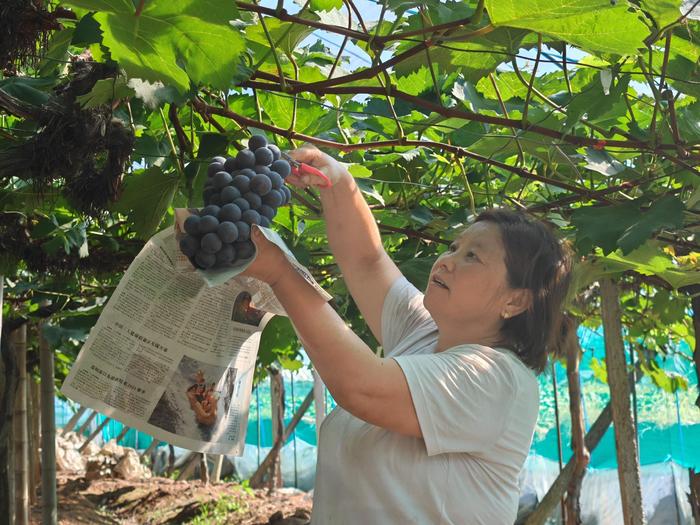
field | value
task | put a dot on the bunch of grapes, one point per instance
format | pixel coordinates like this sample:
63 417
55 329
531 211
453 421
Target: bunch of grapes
240 191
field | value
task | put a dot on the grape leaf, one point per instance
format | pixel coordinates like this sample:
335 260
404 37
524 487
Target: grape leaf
173 41
667 212
474 58
624 226
593 25
145 199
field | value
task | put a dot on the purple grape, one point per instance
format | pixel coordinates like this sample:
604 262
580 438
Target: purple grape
207 193
208 224
210 243
243 231
248 172
253 199
251 217
189 245
227 232
287 195
219 159
205 260
245 158
257 141
230 212
282 167
245 249
261 184
267 211
276 180
212 210
274 199
241 183
221 179
229 193
191 225
215 199
276 153
262 169
241 203
230 165
226 255
264 156
214 167
264 221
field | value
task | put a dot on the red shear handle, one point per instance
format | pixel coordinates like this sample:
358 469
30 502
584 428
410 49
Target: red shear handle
302 169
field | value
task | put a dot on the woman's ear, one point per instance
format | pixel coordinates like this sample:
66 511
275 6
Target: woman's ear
519 301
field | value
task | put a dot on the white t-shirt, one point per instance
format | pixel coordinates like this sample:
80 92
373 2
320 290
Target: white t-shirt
477 408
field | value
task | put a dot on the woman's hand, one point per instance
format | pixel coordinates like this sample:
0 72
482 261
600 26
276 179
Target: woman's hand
311 155
270 263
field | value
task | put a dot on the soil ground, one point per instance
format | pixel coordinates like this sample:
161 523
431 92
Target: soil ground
160 500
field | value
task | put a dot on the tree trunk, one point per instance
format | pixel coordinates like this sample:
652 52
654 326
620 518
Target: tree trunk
48 433
277 409
19 348
73 421
203 468
578 428
257 478
625 441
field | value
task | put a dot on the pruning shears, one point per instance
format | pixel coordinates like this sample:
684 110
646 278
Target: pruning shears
301 168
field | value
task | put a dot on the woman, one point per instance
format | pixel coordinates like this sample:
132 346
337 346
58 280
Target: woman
436 431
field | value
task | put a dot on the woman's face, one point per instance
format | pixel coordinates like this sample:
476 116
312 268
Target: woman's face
468 282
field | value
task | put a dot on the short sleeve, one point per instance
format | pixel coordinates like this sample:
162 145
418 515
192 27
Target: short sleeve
462 397
403 313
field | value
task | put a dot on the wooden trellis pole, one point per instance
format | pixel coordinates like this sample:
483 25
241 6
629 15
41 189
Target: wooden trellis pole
625 441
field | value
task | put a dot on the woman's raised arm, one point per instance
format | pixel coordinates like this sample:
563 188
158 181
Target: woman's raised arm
353 235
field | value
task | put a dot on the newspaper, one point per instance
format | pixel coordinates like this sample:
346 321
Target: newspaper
173 352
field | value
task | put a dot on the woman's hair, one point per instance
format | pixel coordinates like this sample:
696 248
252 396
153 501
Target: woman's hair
538 261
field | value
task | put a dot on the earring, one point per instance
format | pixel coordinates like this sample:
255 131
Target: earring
505 315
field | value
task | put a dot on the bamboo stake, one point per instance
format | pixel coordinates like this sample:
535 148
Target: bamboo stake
19 349
49 512
34 423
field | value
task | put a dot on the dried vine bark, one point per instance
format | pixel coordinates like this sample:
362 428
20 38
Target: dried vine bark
625 442
578 428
